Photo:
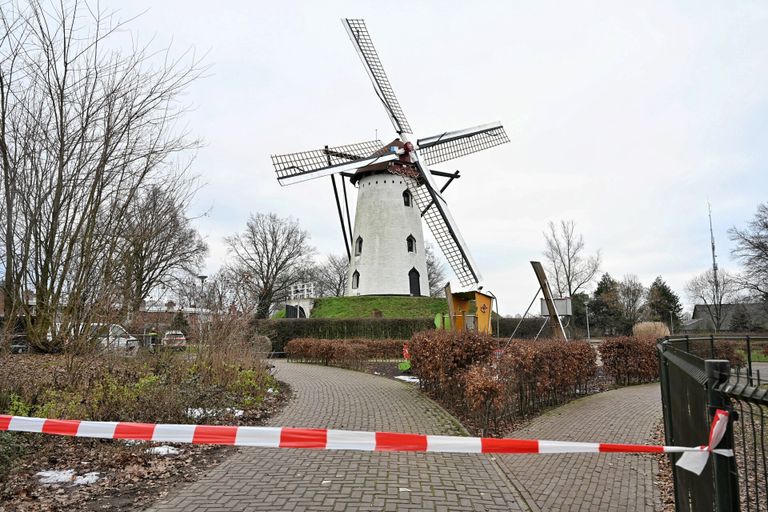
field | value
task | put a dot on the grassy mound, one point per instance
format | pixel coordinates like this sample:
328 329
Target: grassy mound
390 307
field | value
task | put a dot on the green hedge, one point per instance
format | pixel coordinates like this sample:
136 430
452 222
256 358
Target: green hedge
281 331
527 329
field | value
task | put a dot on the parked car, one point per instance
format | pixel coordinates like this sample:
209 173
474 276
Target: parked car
114 337
19 344
174 339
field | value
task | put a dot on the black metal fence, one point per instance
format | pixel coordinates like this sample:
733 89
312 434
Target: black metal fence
698 376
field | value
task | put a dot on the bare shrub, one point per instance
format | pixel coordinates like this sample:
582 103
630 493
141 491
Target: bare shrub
345 353
650 330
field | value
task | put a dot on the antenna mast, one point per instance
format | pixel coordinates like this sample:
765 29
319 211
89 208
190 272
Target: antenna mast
714 257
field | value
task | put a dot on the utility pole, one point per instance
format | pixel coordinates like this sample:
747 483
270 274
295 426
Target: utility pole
717 300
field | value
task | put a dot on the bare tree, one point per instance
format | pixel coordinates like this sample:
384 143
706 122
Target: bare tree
331 276
274 253
752 250
83 128
569 268
631 295
158 241
702 289
436 274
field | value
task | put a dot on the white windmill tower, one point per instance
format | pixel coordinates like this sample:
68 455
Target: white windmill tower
395 191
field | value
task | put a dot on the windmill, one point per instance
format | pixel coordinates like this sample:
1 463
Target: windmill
396 191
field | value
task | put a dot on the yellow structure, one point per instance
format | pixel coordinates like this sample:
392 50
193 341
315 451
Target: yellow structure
469 311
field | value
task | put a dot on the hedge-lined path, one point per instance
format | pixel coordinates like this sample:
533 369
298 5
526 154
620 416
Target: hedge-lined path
281 479
590 482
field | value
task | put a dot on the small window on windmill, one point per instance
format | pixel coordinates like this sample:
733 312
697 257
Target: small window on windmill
411 243
358 246
407 198
355 280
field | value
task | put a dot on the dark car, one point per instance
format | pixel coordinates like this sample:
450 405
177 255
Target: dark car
19 344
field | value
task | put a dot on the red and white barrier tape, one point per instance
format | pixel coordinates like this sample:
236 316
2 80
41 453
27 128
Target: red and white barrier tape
328 439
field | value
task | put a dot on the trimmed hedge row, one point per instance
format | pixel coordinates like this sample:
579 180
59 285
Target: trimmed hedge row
630 359
528 329
281 331
491 382
634 359
344 353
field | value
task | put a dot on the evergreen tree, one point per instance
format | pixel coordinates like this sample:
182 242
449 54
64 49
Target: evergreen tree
740 320
661 302
180 323
605 308
579 318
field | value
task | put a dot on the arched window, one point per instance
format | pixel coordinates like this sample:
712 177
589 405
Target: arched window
358 246
406 198
355 279
411 243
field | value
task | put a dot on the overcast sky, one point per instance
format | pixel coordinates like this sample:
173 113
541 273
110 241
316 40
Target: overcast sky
625 117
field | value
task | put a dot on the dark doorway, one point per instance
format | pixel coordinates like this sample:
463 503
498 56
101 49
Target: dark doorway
413 279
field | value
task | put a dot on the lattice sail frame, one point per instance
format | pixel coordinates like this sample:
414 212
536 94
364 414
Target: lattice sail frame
308 165
450 145
434 212
293 166
358 33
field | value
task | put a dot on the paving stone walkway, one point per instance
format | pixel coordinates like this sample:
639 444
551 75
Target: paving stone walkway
589 482
293 480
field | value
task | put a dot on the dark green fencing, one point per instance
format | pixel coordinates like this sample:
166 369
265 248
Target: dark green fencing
698 376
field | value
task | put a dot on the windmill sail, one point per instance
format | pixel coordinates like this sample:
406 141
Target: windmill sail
306 165
440 222
450 145
358 33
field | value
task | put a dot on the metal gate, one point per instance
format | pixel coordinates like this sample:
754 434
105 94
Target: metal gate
692 389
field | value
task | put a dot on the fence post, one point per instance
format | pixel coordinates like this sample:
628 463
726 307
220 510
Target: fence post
724 468
669 434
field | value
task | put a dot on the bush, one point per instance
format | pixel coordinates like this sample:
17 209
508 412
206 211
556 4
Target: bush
222 370
650 330
344 353
528 329
544 373
470 375
440 357
630 359
11 449
281 331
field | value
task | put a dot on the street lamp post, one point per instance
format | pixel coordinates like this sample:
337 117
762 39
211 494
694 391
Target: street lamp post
586 309
199 306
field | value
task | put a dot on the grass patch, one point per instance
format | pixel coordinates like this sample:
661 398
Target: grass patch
758 356
390 307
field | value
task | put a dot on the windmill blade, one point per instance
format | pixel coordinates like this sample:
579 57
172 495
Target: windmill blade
306 165
435 212
450 145
358 33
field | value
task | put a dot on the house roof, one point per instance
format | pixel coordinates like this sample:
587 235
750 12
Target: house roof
757 312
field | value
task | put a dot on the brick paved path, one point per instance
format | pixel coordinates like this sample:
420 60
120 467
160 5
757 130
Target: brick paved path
281 479
589 482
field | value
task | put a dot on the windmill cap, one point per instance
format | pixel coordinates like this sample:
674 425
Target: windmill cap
380 167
